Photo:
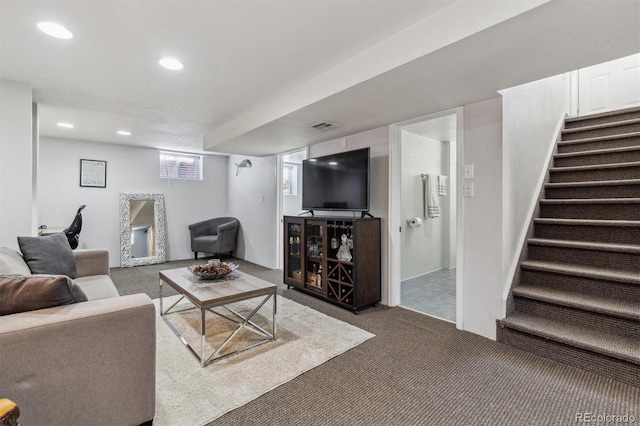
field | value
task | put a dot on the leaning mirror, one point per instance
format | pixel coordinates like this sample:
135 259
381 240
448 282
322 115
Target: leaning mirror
142 239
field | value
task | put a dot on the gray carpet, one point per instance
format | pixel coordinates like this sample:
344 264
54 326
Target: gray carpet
417 371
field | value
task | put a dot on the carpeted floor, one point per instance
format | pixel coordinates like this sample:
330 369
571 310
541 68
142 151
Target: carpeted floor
418 371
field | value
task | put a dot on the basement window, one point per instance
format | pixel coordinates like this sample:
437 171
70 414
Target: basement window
175 165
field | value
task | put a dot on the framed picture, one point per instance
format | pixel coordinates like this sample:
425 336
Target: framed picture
93 173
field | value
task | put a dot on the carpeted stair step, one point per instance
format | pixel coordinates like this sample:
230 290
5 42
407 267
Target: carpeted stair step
606 342
598 172
568 317
606 231
602 117
589 272
598 156
627 188
591 208
601 142
604 129
599 303
579 284
603 353
602 255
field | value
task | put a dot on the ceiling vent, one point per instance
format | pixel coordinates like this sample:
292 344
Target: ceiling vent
324 126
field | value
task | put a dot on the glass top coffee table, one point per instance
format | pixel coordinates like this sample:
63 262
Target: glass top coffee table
208 294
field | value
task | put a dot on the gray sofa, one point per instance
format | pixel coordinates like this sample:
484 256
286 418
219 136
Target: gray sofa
86 363
215 236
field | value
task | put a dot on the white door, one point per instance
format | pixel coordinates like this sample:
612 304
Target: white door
609 86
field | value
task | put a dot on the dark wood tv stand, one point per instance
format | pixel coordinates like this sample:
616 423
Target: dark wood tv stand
312 264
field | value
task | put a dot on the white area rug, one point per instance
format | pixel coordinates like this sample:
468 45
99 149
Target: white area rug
190 395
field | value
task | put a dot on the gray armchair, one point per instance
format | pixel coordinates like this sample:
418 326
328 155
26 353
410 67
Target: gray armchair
216 236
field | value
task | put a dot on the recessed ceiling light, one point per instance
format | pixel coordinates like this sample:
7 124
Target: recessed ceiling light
171 64
66 125
55 30
124 132
312 159
333 163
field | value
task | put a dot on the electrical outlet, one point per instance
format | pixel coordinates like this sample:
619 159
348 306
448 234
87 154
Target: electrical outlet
250 242
262 198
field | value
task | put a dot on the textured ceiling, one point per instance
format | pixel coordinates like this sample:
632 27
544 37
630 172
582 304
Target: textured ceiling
257 73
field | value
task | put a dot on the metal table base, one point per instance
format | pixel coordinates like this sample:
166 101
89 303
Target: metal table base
243 322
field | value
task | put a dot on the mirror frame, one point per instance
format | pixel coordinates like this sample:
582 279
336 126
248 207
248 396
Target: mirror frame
125 230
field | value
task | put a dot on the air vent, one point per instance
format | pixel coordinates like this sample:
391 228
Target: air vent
324 126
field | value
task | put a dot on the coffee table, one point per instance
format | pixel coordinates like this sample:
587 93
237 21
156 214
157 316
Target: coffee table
207 294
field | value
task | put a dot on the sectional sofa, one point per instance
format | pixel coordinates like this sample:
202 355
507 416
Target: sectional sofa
82 362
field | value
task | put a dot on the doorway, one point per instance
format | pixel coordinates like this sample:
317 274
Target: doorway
428 210
290 191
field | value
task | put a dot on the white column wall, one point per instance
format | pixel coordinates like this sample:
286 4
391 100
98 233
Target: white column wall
129 170
483 217
532 114
17 169
252 200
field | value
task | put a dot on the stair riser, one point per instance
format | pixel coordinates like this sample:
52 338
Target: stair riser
593 145
566 315
582 285
607 131
609 191
591 211
603 234
616 260
595 159
600 364
615 173
629 115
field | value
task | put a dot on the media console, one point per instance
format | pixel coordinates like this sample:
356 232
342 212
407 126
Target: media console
334 258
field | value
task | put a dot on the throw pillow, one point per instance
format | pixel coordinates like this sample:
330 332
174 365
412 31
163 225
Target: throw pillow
50 254
12 262
22 293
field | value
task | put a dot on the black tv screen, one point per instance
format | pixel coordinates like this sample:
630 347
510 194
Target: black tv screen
337 181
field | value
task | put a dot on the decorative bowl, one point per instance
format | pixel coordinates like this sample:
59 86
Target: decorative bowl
211 272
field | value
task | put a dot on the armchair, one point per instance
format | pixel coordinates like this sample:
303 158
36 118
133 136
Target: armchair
216 236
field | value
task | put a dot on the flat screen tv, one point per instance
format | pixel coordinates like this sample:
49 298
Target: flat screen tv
336 182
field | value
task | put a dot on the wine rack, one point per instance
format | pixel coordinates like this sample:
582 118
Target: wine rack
337 259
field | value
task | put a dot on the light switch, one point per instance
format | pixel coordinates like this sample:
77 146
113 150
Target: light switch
467 189
468 171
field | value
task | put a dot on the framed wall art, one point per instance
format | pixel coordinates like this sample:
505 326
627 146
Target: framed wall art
93 173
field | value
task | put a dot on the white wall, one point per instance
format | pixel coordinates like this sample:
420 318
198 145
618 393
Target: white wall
129 170
482 274
252 199
422 246
378 141
18 151
532 114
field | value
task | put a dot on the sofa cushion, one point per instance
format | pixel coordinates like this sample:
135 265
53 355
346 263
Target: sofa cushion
21 293
12 262
97 286
50 254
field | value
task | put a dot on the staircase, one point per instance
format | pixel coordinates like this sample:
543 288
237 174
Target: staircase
577 293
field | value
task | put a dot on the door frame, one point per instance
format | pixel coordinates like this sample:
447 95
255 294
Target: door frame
395 203
280 202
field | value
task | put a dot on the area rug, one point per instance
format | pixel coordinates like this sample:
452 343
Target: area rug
190 395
